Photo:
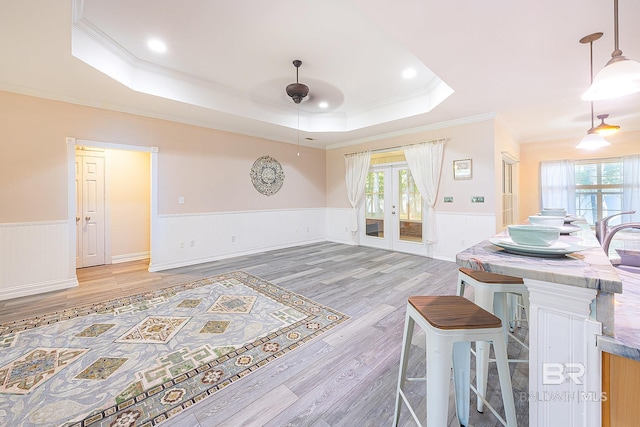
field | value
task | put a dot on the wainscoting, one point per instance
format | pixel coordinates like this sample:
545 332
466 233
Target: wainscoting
34 258
458 231
197 238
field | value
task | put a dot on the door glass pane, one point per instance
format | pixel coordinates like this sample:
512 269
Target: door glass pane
374 204
410 208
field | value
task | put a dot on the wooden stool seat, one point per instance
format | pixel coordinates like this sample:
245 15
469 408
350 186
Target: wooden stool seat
488 277
453 312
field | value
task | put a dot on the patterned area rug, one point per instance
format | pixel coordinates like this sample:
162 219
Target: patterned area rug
143 359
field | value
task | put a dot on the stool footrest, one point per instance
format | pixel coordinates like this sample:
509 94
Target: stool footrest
488 405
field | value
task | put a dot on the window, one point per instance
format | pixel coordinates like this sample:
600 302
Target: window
598 188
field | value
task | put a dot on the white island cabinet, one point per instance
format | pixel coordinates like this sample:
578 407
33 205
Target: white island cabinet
572 303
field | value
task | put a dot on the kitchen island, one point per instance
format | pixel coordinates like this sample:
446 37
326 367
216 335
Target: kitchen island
572 303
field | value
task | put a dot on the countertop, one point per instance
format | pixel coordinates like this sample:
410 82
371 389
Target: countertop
589 268
626 341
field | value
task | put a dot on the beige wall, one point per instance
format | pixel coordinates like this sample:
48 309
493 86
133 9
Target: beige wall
209 168
129 182
469 141
531 154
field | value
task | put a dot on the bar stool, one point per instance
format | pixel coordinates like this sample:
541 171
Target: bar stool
491 293
451 323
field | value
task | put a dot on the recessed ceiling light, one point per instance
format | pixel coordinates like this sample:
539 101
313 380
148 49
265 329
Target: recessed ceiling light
409 73
323 104
157 46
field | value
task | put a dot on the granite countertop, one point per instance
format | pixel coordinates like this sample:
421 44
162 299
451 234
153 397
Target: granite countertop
626 341
589 268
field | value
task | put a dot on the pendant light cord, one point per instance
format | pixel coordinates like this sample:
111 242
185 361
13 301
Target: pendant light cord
591 68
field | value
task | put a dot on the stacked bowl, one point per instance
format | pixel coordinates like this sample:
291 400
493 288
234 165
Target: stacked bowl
534 235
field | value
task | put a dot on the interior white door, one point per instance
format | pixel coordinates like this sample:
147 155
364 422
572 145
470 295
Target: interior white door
91 210
392 215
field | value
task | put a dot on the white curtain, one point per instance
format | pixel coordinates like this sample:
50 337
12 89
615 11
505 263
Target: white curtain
425 164
357 166
558 185
631 187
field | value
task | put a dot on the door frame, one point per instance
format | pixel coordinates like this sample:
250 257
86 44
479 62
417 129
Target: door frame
393 241
71 185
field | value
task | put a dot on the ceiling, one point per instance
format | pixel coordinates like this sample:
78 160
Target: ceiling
227 63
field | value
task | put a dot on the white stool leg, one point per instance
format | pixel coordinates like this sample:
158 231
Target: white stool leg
461 374
404 358
505 381
484 298
439 354
461 285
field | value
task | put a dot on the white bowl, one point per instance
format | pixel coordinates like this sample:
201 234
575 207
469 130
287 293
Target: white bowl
533 235
554 212
548 220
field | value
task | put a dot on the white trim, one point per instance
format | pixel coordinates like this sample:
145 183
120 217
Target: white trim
71 155
118 259
38 288
71 205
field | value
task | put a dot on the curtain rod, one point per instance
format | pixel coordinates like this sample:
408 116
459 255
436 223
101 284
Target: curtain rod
395 147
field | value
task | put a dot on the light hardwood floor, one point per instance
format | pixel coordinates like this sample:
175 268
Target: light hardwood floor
346 377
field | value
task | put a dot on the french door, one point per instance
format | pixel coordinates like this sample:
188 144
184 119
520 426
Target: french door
392 214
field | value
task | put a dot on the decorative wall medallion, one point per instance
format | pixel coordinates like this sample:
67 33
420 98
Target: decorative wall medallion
267 175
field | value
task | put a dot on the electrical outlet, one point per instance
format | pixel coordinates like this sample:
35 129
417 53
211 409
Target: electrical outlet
477 199
233 239
181 200
193 243
181 245
448 199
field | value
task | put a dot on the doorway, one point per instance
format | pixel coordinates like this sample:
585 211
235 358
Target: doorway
392 213
115 236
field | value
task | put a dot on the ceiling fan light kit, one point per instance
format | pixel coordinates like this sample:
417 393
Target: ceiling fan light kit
620 77
297 91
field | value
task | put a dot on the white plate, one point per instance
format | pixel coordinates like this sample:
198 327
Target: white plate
558 249
569 228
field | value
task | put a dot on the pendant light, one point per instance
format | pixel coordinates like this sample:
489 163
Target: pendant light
593 139
619 77
605 129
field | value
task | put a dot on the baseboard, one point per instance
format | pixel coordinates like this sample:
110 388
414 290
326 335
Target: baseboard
154 267
444 258
37 288
117 259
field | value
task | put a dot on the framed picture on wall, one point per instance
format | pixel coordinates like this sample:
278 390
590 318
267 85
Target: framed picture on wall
462 169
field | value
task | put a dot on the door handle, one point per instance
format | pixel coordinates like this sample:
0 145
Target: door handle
87 218
77 218
393 212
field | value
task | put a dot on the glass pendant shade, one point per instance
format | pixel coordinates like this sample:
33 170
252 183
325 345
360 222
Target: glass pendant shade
619 77
592 140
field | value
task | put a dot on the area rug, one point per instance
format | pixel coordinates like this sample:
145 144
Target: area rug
140 360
